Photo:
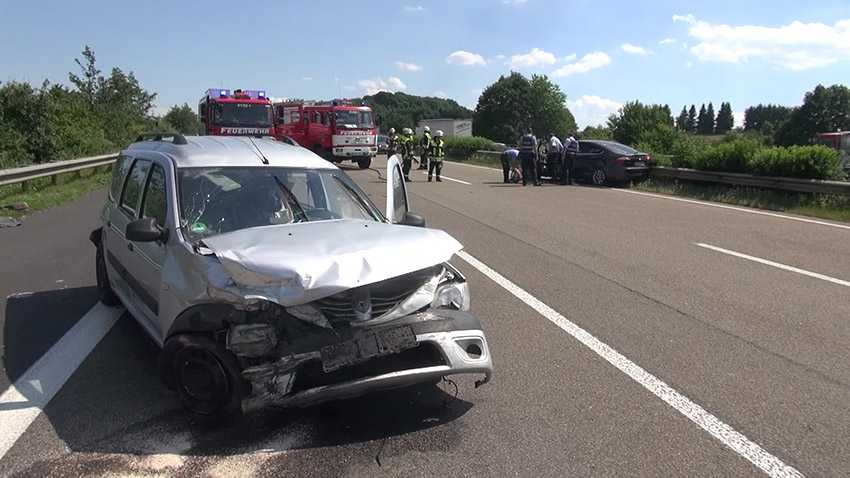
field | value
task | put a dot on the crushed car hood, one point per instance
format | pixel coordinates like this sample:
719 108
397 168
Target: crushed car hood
294 264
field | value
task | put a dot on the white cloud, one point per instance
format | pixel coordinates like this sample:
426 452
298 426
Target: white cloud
440 94
396 83
500 57
592 110
534 59
374 85
414 8
795 46
569 58
591 61
514 2
307 78
403 66
667 41
634 49
739 118
684 18
349 87
462 57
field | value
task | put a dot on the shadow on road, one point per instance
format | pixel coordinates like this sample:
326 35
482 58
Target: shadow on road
114 413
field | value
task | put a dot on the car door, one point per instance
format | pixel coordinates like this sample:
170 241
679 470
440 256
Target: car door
150 256
118 250
397 203
589 155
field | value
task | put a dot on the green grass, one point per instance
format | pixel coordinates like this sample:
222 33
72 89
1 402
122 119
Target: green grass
42 194
825 206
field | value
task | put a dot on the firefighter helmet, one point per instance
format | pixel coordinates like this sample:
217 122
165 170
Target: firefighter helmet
439 133
427 128
407 131
392 130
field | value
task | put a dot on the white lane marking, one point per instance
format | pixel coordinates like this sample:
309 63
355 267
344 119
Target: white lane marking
775 264
734 208
24 400
450 179
474 166
742 445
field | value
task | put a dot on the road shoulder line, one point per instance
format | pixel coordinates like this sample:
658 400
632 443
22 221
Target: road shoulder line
724 433
734 208
25 399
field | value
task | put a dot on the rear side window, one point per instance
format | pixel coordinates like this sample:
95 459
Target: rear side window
133 187
119 172
155 203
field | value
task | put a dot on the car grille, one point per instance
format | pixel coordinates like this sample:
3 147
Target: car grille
384 296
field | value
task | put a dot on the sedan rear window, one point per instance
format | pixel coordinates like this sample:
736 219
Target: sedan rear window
619 148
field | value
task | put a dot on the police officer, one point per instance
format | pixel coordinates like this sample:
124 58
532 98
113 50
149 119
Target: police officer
508 156
571 148
528 158
437 151
407 144
425 147
392 143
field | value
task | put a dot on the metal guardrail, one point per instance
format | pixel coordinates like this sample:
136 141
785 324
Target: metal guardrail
28 173
766 182
739 179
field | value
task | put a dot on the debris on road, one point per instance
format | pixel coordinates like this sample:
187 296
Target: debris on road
9 222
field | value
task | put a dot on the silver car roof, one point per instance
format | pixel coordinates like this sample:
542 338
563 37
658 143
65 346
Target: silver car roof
221 151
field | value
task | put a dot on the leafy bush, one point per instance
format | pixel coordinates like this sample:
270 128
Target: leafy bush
733 156
815 162
463 147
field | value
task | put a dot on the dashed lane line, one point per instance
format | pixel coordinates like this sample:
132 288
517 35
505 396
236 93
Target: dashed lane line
733 439
778 265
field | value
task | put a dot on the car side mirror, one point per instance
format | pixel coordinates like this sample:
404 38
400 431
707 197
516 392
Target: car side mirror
144 230
412 219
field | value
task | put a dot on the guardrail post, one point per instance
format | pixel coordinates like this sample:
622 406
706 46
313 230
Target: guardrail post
53 180
25 186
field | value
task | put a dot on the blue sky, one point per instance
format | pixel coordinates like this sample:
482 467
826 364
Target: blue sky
601 53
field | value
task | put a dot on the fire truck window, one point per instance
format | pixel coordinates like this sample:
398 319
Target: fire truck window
294 117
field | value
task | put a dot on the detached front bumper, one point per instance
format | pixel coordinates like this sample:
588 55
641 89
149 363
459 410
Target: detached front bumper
298 381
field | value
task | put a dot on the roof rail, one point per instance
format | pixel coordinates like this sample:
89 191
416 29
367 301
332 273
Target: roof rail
176 138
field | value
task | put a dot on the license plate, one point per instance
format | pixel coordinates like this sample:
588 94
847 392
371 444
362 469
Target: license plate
367 346
640 163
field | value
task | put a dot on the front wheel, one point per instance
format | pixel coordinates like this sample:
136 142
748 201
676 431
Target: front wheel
364 163
207 377
599 178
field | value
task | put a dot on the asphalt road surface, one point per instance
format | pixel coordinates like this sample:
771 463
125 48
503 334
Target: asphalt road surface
632 335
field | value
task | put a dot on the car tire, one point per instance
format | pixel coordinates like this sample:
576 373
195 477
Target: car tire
207 377
364 163
104 291
598 177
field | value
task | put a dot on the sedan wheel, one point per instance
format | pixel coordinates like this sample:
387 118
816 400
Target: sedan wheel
599 177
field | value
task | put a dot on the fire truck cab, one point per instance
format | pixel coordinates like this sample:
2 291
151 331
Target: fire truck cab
226 112
337 131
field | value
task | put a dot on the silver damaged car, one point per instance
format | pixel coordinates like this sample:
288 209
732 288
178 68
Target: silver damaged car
267 276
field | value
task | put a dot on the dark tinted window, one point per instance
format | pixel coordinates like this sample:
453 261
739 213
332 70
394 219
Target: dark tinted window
585 147
133 186
618 148
119 172
155 198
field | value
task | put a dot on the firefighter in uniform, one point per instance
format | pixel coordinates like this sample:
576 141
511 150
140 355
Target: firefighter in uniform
425 147
407 145
392 143
437 153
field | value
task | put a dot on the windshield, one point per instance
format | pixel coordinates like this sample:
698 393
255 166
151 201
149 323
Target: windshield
242 114
354 119
619 148
218 200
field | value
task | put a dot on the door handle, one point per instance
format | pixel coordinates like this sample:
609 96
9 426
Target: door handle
129 246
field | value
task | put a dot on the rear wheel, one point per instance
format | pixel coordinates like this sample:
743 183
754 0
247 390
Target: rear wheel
599 178
207 377
364 163
104 290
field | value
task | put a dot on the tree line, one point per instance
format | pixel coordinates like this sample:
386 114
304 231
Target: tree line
706 122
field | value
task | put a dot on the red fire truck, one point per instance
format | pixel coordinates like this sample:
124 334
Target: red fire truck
337 131
236 112
840 141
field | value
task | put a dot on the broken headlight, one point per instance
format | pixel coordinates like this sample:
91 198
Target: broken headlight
454 295
452 290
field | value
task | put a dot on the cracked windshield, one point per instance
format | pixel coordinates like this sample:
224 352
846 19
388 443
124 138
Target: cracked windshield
483 238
